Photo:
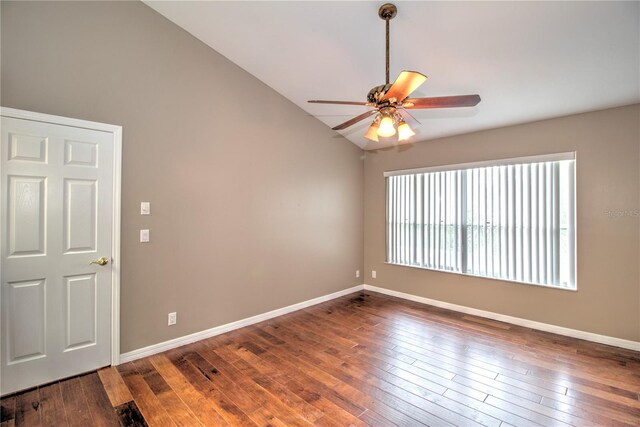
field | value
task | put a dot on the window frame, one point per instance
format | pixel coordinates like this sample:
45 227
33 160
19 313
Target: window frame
553 157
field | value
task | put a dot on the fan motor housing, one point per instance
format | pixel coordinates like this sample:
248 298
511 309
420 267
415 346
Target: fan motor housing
375 94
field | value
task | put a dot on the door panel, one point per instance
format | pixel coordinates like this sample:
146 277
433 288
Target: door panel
27 215
57 217
29 148
81 153
80 311
25 320
80 215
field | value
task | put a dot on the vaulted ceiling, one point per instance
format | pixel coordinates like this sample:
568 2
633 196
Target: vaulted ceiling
528 61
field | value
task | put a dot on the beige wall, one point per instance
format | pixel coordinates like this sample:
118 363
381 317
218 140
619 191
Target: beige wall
255 205
608 162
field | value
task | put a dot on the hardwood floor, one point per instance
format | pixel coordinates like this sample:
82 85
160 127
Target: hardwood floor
363 359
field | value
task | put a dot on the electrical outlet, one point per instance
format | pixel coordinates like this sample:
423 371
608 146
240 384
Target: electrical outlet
357 273
144 236
172 318
373 274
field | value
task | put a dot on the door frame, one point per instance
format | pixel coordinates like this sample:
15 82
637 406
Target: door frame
116 132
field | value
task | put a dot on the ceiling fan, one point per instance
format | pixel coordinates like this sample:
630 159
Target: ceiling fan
390 102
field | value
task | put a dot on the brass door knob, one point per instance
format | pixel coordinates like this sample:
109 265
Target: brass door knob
100 261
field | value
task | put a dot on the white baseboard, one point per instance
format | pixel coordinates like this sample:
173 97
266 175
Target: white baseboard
197 336
589 336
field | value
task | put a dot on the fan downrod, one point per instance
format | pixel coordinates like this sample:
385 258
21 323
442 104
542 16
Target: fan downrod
387 11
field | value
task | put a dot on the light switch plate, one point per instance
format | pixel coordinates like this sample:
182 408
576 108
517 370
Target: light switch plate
145 208
144 236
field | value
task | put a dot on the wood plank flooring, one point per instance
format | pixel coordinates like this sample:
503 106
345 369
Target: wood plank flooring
363 359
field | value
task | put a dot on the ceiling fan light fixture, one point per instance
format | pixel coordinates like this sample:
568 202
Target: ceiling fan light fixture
391 101
372 132
386 128
404 131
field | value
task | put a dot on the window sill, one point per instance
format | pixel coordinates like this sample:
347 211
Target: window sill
575 289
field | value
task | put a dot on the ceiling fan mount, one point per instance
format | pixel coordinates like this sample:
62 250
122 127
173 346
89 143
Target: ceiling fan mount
390 102
387 11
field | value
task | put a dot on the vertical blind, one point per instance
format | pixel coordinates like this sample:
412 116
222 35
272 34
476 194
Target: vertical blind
513 220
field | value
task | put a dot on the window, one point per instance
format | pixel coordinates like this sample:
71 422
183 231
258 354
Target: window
510 219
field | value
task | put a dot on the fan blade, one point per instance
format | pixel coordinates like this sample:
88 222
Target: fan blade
408 117
407 82
354 120
315 101
442 102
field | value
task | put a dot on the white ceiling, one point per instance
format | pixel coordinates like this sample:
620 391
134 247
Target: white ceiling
528 61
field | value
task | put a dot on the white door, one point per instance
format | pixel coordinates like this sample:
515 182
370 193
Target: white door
57 218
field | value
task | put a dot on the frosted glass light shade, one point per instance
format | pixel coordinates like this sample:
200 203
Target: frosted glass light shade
386 127
405 132
372 132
